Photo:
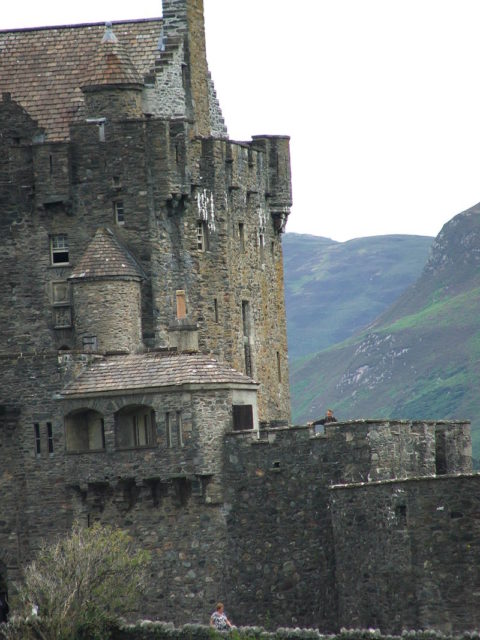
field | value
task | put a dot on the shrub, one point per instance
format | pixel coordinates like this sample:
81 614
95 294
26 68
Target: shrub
81 585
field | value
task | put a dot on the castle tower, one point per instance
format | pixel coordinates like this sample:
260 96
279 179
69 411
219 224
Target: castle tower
106 297
112 86
184 19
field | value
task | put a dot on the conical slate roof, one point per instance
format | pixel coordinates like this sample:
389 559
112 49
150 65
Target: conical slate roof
111 65
106 258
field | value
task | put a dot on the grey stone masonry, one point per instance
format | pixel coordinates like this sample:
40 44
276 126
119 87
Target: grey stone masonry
144 366
407 554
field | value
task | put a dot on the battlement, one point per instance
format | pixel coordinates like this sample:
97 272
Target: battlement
374 450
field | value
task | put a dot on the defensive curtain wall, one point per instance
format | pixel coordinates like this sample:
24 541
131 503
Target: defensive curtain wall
352 528
371 524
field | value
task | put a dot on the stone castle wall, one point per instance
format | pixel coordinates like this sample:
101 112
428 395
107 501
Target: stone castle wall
317 556
135 165
407 554
227 515
259 525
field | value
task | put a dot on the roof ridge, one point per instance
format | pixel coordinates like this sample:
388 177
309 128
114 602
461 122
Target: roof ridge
80 25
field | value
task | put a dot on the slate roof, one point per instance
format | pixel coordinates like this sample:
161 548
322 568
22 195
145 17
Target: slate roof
111 65
106 258
127 373
43 69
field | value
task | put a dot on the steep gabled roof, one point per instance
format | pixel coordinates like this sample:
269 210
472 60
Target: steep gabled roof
43 69
104 258
140 372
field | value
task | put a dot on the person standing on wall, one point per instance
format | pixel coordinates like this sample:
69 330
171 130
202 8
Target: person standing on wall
329 417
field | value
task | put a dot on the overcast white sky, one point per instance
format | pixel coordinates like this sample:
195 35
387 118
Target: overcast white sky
381 99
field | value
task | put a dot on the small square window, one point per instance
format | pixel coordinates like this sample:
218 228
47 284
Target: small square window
89 343
119 212
59 249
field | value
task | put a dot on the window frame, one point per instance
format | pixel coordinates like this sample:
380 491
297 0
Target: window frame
119 213
179 425
50 437
62 249
38 439
90 423
168 430
135 428
202 236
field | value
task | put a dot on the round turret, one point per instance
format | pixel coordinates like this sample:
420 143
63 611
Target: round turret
112 85
107 297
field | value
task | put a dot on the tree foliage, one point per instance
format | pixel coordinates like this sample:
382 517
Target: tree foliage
81 585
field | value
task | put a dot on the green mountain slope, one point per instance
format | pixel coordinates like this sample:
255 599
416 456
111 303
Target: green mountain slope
421 358
333 289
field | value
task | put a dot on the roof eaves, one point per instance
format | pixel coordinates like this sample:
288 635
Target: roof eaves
187 386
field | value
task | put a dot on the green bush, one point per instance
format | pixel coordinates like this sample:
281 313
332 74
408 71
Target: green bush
81 585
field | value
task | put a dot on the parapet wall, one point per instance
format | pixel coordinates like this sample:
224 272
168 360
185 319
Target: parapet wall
370 450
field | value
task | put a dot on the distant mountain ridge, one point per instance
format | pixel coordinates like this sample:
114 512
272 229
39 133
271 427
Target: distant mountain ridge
333 289
421 357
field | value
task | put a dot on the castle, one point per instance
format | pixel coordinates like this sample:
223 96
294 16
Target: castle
144 359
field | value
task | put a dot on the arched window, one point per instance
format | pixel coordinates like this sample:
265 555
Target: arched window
135 427
84 431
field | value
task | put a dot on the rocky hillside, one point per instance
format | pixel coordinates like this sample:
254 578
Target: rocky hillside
420 358
333 289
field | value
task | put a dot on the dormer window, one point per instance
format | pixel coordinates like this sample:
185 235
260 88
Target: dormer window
59 249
